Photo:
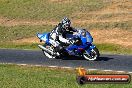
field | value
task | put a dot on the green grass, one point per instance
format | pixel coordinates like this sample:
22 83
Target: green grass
45 9
10 45
126 25
12 76
18 32
113 48
25 31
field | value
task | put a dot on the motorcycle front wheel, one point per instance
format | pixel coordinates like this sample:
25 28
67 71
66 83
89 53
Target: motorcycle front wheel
92 56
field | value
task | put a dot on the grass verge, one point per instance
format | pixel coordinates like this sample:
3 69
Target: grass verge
113 48
13 76
19 32
10 45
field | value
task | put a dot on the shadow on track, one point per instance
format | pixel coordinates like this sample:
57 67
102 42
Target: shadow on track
104 59
81 58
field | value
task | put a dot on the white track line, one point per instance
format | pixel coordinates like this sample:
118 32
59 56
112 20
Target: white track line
107 70
130 72
120 71
22 64
92 69
65 67
38 65
53 66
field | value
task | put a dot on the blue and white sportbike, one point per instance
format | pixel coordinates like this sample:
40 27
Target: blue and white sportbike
80 45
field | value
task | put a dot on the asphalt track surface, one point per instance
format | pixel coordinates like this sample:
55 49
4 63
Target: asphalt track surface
106 62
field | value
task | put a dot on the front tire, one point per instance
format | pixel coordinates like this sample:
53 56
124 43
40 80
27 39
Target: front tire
93 56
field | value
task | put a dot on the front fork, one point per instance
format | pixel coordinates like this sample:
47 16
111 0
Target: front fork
88 51
90 48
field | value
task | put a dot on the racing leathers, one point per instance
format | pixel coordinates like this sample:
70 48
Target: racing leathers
58 36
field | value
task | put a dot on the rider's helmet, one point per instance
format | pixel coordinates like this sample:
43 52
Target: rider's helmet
66 23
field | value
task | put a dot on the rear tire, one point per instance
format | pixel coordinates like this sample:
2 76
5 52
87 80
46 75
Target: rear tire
93 56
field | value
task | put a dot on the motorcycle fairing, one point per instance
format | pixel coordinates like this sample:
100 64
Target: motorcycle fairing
44 37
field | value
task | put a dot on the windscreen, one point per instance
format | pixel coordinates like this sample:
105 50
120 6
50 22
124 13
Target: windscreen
86 35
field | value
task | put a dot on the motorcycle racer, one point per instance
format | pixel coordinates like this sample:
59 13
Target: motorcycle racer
58 34
80 42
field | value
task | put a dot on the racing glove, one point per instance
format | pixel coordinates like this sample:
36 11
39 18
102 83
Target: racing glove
71 41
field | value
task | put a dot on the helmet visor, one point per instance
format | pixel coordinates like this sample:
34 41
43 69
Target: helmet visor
67 24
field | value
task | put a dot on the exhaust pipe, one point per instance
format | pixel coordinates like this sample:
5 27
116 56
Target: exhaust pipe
47 50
